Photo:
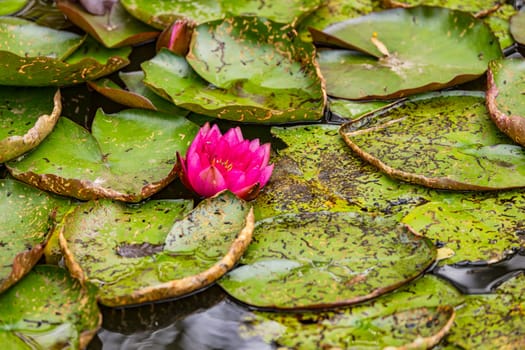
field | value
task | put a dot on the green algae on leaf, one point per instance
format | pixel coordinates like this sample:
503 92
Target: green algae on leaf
48 309
158 250
441 140
129 156
391 63
27 217
506 97
125 29
320 260
27 116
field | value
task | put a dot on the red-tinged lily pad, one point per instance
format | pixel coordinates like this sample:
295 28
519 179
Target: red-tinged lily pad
441 140
155 252
229 74
320 260
33 55
371 325
395 59
27 217
48 310
27 116
506 97
123 29
129 156
479 228
160 14
136 94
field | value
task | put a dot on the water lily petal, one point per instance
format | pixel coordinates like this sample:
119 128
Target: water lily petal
209 182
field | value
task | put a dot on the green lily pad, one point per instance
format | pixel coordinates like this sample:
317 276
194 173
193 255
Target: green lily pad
129 156
155 252
476 229
363 326
124 29
160 14
27 116
493 321
137 94
517 27
393 63
12 6
28 216
48 310
331 177
350 110
285 86
319 260
506 97
33 55
439 140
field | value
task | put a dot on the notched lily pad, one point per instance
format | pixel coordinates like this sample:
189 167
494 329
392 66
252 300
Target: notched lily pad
26 220
33 55
442 140
506 97
48 310
159 249
27 116
390 63
122 29
320 260
242 69
129 156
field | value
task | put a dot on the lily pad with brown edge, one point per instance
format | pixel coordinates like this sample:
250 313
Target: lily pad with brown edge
324 259
331 177
278 95
123 29
363 326
136 94
440 140
129 156
483 228
161 14
50 62
28 215
159 249
48 309
27 116
506 97
394 58
492 321
517 27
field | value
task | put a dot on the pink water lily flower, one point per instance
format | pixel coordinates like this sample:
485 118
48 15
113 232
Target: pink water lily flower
216 162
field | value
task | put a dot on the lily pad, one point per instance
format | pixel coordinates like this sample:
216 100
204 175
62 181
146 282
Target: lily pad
506 97
442 140
124 30
160 14
320 260
12 6
137 94
27 116
362 326
517 27
28 216
48 310
281 82
392 63
33 55
349 110
476 229
129 156
155 252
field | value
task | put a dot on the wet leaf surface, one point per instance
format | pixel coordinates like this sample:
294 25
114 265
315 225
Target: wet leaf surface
129 156
506 97
439 140
391 65
158 250
27 116
319 260
27 218
48 310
